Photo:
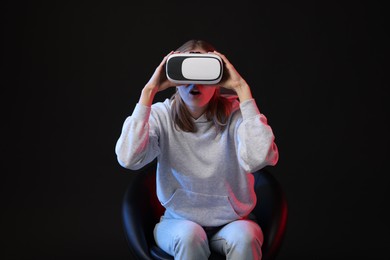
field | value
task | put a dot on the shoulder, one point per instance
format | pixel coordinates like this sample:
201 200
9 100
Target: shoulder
233 103
161 109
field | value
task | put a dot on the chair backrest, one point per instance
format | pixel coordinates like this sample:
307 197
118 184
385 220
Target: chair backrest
141 211
271 212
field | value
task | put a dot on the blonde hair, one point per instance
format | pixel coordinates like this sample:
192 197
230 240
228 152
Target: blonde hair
218 109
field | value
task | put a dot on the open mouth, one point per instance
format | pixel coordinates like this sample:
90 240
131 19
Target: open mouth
195 92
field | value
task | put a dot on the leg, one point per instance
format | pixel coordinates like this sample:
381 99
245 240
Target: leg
182 239
240 239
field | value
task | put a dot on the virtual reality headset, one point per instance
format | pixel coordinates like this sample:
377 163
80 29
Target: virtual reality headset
194 68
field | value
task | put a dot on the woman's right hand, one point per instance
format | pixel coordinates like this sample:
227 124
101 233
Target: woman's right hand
158 82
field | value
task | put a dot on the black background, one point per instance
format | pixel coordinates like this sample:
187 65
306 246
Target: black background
73 71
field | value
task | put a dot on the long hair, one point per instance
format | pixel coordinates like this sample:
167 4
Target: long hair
218 109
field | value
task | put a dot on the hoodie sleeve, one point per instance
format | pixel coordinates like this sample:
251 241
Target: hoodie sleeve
138 141
255 139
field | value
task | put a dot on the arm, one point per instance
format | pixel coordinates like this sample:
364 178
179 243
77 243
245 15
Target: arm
138 142
254 137
256 147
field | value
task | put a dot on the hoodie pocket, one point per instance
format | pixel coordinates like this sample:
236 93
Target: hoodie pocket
205 209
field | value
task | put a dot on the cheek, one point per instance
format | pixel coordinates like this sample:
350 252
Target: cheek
209 94
182 94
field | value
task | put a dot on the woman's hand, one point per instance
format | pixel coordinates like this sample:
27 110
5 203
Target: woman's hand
158 82
233 80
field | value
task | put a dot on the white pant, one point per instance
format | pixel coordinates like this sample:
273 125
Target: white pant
186 240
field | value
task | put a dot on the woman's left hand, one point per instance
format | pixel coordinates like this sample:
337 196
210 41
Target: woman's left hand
233 80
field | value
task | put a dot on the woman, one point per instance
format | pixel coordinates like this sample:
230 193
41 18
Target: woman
206 146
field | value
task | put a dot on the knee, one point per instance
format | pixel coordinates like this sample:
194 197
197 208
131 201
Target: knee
247 235
192 235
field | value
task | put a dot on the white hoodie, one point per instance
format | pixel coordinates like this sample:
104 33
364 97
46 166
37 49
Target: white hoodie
204 177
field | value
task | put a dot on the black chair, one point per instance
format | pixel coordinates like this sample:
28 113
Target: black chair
141 210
